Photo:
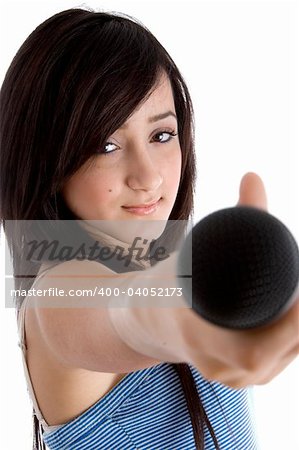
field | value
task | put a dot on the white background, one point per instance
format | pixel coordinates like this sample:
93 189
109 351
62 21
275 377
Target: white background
240 60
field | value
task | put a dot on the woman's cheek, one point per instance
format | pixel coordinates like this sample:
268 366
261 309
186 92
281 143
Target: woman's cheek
87 194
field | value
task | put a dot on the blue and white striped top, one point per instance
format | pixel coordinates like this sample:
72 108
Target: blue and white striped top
147 410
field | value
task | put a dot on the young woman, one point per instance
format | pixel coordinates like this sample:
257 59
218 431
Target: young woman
96 124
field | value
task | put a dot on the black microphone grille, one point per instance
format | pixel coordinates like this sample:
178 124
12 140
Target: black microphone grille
245 267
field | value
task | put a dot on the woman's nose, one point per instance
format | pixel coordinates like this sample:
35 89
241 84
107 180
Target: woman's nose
144 172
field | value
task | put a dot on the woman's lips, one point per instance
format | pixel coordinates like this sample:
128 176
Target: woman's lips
142 210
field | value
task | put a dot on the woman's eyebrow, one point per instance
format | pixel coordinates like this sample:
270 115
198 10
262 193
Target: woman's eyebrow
162 116
154 118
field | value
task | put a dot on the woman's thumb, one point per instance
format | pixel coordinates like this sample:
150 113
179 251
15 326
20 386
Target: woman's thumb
252 191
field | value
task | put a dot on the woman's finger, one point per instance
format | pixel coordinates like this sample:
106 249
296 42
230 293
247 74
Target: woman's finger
252 191
284 362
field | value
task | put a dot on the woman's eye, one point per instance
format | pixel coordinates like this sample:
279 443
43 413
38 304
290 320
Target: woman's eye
164 136
161 137
109 147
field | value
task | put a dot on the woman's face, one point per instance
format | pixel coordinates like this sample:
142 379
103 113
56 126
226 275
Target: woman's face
140 164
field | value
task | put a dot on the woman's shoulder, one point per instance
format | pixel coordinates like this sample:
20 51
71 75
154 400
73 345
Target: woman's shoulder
55 280
73 266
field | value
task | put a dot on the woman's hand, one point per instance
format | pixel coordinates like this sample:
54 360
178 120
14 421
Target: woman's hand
242 358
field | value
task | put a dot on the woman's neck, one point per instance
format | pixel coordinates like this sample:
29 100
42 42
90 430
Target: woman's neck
136 252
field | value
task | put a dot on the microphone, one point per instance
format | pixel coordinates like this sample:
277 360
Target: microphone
245 268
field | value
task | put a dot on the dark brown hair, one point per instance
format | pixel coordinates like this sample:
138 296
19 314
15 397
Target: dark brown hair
75 80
